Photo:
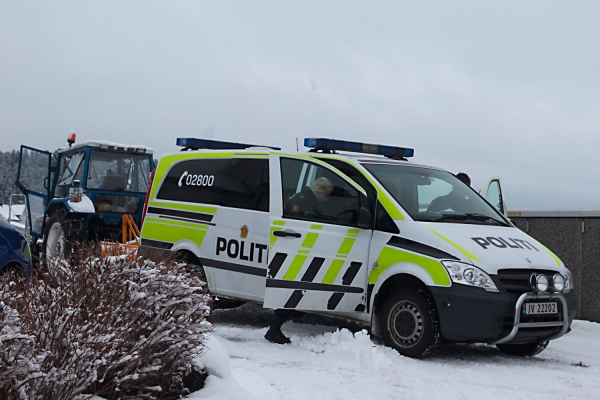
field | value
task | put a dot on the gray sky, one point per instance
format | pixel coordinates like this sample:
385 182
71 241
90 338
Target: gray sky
507 88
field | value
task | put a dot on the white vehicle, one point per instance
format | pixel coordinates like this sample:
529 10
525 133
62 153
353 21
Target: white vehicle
380 250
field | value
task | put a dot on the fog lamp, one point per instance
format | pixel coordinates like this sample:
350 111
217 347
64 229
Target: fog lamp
558 282
540 283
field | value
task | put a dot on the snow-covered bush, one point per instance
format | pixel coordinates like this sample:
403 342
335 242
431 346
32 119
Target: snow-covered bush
112 327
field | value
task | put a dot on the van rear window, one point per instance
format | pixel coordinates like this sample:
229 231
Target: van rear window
237 183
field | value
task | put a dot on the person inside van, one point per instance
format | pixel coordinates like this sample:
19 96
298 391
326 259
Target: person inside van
306 202
455 200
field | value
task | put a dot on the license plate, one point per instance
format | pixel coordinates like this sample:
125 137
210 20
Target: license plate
540 308
75 192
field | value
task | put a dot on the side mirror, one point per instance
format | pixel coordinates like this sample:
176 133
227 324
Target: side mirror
364 218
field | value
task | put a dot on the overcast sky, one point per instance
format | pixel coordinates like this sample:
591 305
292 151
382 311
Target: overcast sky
506 88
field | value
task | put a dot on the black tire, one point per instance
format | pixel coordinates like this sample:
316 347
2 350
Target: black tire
61 236
410 323
193 263
523 349
226 304
195 266
14 271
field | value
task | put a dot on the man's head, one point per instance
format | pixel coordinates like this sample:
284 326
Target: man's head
464 178
321 188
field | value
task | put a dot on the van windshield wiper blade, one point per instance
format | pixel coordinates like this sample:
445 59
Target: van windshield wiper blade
470 216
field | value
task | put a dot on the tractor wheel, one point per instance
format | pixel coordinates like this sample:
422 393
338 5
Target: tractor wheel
410 323
61 237
523 349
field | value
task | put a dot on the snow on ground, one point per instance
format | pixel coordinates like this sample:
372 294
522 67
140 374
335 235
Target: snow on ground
326 362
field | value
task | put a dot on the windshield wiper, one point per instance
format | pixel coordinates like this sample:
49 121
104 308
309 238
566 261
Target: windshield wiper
470 216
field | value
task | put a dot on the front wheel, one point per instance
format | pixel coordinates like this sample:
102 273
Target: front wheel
54 238
60 237
410 323
523 349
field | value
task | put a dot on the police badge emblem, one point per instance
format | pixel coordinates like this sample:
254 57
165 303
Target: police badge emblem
244 232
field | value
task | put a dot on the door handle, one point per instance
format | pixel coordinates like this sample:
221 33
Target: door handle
287 234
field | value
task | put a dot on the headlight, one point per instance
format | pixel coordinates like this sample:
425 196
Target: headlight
467 274
569 283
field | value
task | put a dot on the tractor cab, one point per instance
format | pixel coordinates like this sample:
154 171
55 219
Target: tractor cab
84 189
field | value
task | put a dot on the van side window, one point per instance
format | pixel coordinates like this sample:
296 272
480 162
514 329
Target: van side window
236 182
383 221
357 177
311 192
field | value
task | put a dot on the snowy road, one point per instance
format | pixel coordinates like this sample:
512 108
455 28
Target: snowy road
324 362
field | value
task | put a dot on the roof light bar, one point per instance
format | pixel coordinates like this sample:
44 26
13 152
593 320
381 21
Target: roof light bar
357 147
195 144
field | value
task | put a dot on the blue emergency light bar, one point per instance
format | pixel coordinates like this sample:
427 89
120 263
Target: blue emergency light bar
195 144
357 147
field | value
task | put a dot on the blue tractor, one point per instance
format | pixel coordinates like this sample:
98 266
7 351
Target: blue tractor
82 194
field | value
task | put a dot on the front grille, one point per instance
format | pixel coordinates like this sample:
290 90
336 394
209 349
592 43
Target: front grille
517 281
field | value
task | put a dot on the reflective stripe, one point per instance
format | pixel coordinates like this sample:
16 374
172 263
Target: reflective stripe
172 231
390 256
294 268
273 238
310 239
298 261
337 263
459 247
333 271
25 248
558 260
183 207
346 246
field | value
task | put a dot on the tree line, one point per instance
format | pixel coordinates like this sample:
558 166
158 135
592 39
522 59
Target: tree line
33 172
8 173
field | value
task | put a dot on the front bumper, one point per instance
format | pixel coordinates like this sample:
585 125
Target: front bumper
469 314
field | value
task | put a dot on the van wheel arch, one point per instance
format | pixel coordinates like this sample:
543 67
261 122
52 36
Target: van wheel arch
391 285
195 265
193 262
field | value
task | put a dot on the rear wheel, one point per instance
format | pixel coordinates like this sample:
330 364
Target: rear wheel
194 265
523 349
410 323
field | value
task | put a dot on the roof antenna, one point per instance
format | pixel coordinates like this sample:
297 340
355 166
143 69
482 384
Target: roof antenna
296 144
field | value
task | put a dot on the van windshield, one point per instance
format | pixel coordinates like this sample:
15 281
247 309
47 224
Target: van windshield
434 196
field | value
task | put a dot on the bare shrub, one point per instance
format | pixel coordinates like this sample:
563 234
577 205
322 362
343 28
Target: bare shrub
113 327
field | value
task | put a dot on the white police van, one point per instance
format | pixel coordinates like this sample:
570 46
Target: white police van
375 251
